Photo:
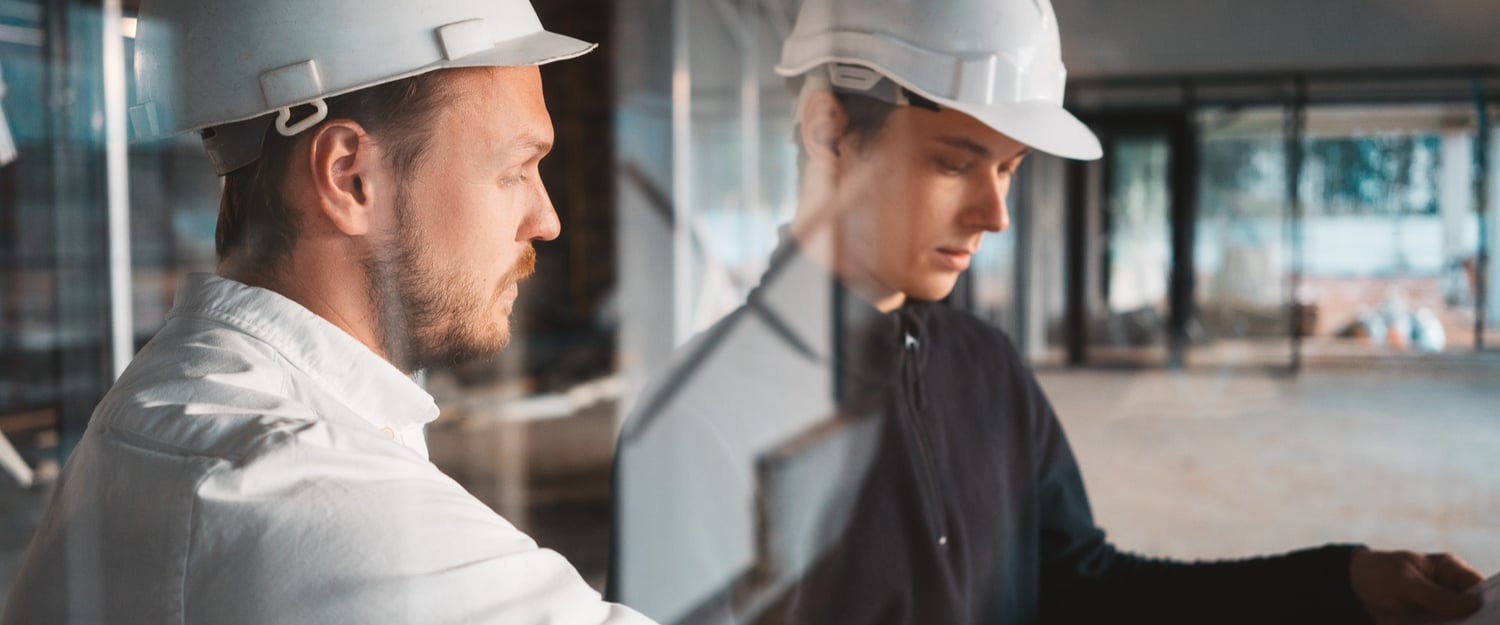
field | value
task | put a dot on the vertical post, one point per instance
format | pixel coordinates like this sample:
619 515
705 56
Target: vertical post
54 87
121 321
682 173
1022 212
1075 336
1102 207
1184 219
1295 129
1482 209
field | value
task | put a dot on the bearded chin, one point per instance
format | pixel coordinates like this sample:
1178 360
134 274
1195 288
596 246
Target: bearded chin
424 318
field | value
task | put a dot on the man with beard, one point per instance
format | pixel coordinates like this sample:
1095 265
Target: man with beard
262 459
845 449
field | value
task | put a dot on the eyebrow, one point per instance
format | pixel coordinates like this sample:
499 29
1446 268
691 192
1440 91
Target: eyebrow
529 145
965 144
969 145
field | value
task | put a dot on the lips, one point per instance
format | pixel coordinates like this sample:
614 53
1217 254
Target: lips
506 292
954 258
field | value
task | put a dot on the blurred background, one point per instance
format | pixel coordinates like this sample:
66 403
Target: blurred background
1269 317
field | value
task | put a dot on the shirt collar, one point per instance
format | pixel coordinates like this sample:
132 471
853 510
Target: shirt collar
369 385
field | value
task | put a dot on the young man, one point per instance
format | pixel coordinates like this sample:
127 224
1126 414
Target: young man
844 450
262 460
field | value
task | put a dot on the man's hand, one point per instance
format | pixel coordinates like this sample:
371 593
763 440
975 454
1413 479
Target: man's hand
1404 588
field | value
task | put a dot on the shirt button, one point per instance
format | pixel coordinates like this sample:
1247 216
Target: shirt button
943 540
389 433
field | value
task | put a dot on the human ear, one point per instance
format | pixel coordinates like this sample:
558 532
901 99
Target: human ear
345 175
821 123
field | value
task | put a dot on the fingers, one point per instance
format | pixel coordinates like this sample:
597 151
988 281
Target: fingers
1451 572
1442 602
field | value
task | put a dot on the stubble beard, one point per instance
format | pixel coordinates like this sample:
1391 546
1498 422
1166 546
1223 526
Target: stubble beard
428 316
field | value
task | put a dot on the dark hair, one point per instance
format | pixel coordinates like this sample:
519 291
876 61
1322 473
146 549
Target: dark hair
254 217
864 118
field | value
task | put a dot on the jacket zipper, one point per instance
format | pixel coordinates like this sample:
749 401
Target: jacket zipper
911 380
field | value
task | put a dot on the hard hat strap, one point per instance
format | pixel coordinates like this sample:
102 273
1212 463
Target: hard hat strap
284 116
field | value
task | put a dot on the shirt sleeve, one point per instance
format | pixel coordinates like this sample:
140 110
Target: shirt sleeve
1085 579
358 538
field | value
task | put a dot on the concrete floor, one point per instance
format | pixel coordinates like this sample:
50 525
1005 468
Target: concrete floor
1225 463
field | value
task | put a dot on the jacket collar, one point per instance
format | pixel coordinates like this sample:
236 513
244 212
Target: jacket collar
823 319
369 385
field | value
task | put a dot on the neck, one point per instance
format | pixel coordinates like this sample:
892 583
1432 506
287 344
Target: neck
817 236
322 288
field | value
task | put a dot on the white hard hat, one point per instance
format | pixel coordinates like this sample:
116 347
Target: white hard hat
210 63
999 61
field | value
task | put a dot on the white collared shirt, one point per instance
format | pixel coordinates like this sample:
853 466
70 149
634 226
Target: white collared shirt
255 464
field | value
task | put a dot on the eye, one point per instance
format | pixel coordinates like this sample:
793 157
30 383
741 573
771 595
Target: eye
951 167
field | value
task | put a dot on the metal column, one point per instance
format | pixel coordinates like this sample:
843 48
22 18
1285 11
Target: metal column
1184 221
1296 127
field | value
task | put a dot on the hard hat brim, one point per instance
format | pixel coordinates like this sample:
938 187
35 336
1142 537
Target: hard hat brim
1042 126
538 48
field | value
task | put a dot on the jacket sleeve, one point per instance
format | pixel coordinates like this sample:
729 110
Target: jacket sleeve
1085 579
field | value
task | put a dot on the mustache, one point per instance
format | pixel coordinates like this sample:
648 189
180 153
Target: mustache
524 268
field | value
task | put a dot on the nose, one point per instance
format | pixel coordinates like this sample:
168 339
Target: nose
543 223
987 209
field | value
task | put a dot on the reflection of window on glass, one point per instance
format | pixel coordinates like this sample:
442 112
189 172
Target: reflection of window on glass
1240 248
1372 204
1139 237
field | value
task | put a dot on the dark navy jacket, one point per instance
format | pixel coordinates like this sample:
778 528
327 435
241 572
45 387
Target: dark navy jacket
967 507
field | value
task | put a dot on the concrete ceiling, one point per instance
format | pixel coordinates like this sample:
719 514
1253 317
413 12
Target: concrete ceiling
1118 38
